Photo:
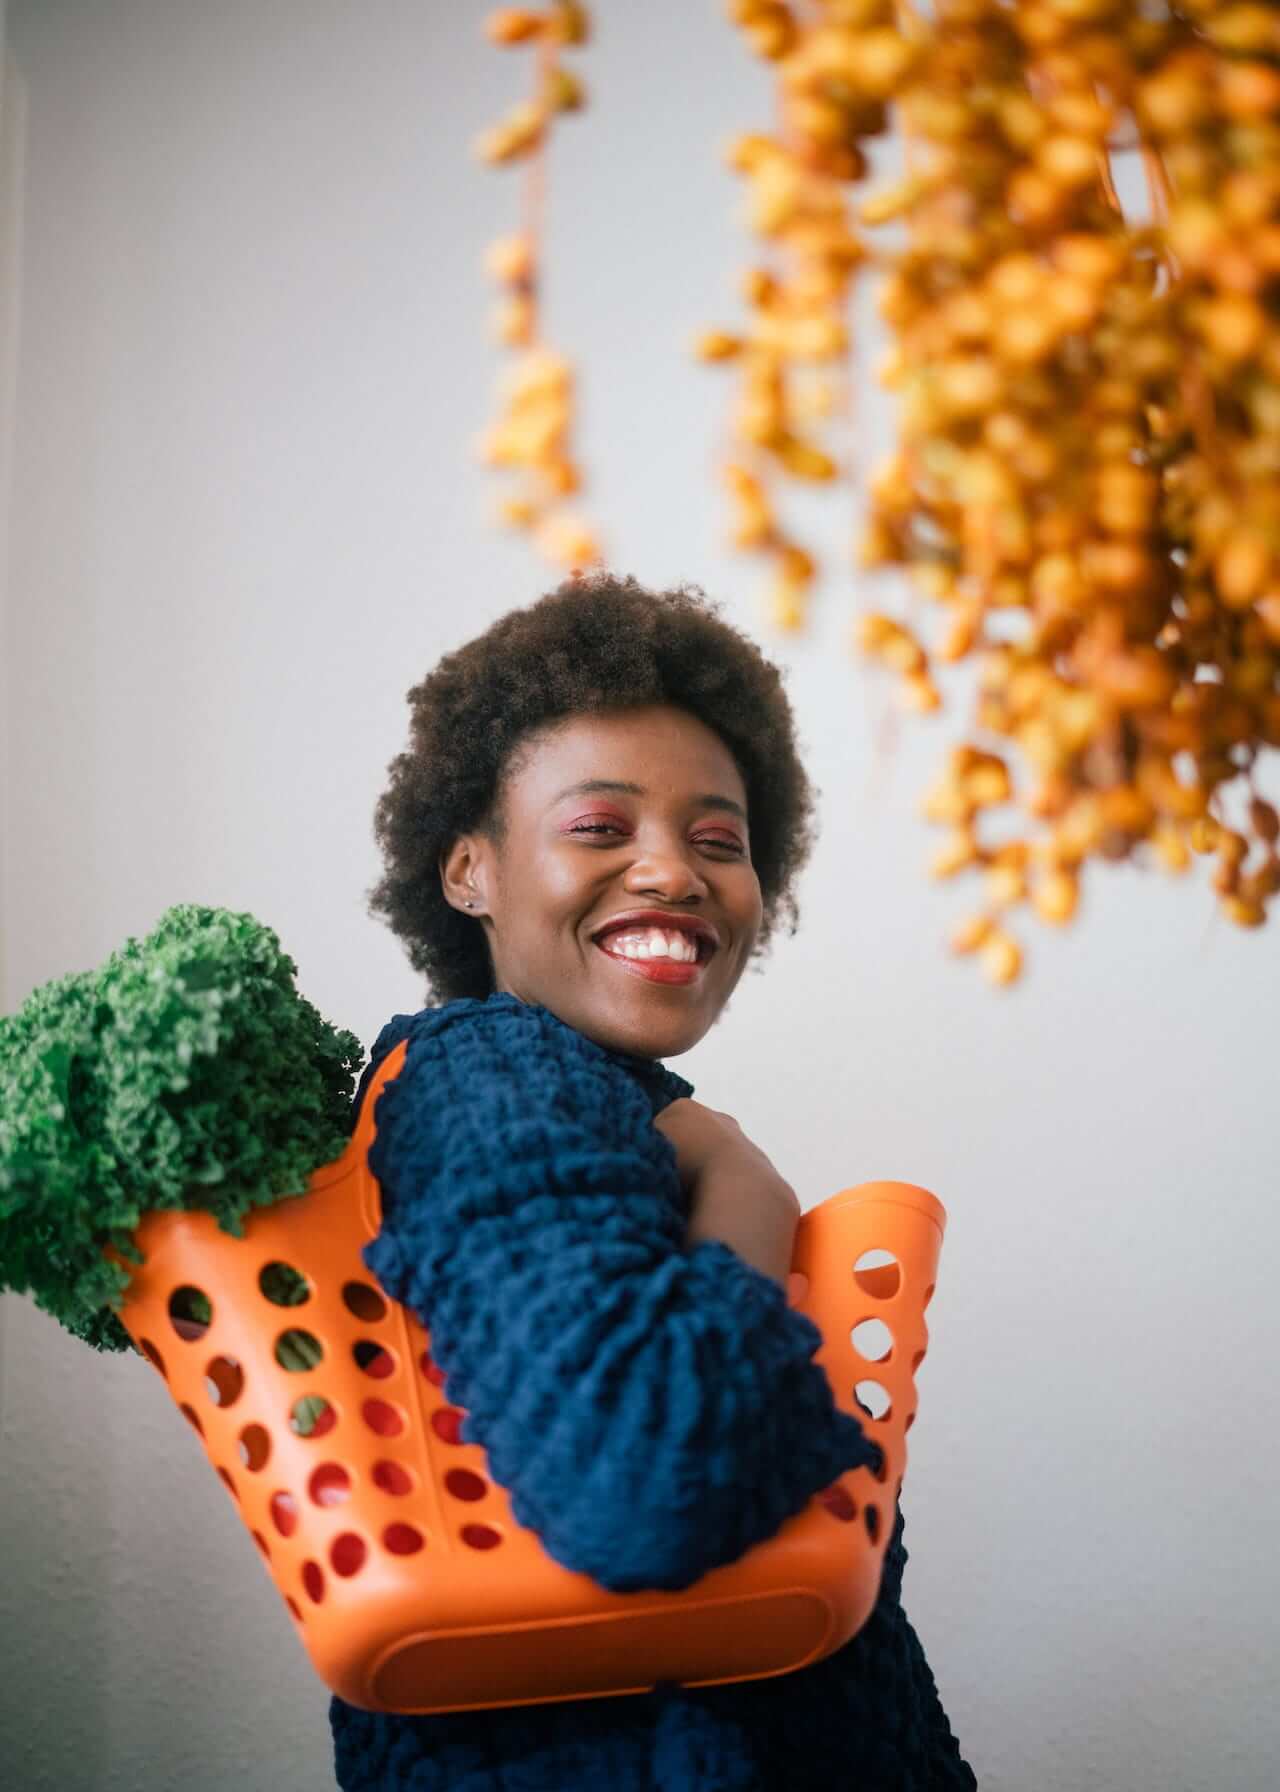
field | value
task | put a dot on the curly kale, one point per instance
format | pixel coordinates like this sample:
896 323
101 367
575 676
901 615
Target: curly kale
187 1072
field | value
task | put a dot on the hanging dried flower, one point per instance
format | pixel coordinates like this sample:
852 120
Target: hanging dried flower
532 436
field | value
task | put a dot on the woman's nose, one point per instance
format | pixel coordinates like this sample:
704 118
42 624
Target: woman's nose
668 873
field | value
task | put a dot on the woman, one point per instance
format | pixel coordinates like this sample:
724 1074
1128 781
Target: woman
595 828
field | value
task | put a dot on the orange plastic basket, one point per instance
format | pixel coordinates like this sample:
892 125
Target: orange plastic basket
412 1585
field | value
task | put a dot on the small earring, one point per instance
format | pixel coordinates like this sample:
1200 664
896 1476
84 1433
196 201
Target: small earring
468 905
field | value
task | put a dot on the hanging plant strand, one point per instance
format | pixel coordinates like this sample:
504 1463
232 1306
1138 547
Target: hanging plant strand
532 435
791 358
1085 488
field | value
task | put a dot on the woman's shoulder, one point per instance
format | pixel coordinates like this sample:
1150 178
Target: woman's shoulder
493 1018
482 1032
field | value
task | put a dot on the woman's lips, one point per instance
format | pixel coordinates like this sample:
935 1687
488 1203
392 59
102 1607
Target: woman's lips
657 970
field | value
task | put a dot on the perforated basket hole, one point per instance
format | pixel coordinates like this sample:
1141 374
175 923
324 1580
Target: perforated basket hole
255 1447
295 1610
839 1502
329 1484
283 1285
871 1518
431 1369
373 1359
382 1417
223 1380
446 1422
916 1360
284 1513
190 1312
297 1351
231 1487
262 1544
403 1539
872 1398
872 1340
928 1295
480 1536
878 1273
464 1485
313 1581
392 1478
153 1356
189 1414
362 1299
312 1416
347 1554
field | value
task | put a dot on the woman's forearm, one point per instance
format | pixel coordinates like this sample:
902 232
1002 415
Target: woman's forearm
757 1223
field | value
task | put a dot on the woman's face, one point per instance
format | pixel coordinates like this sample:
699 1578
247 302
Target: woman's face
663 828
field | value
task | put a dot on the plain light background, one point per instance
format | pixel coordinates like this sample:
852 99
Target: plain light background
243 363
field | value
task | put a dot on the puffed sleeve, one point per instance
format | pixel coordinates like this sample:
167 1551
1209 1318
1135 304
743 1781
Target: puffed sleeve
652 1412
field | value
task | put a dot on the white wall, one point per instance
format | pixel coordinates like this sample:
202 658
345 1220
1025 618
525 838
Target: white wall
252 360
12 173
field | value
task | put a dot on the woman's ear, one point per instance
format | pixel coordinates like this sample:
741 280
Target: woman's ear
461 876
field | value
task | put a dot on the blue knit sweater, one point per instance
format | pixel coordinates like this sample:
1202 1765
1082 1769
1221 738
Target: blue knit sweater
534 1220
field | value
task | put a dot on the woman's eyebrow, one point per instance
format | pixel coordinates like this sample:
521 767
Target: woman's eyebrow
588 785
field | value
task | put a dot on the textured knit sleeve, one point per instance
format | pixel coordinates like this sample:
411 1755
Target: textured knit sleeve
651 1412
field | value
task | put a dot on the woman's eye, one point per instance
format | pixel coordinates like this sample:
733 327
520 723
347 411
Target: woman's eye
613 827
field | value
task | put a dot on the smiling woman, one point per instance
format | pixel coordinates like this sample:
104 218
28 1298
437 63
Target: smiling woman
594 899
597 823
590 655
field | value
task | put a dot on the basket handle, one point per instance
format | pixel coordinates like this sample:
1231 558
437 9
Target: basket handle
362 1138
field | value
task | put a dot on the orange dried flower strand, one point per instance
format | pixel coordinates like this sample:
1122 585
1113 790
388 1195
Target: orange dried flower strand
532 435
1086 481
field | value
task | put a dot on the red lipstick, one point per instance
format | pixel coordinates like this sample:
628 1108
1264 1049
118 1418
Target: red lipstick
657 970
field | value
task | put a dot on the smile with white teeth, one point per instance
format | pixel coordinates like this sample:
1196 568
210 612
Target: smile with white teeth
652 942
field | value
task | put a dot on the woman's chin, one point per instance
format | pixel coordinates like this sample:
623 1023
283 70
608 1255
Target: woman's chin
630 1014
662 1037
631 1026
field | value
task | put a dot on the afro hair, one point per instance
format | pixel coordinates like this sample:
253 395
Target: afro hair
597 643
